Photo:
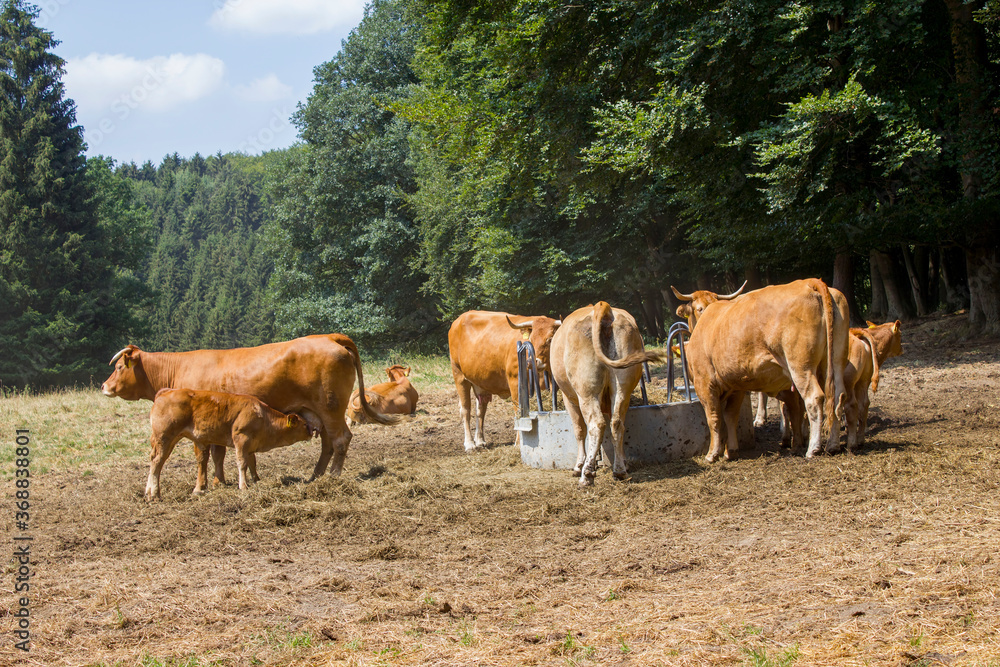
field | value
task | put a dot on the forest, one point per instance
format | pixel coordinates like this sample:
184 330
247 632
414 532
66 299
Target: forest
529 156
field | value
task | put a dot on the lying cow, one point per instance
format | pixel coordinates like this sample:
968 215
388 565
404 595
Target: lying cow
768 340
395 397
312 376
483 350
594 386
213 418
870 348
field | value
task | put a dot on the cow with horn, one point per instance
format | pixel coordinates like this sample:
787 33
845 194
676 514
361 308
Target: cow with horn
312 376
482 346
769 340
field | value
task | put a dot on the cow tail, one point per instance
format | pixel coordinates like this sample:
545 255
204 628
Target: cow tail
367 409
832 400
602 309
871 343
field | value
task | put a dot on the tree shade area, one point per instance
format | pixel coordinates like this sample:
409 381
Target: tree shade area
530 156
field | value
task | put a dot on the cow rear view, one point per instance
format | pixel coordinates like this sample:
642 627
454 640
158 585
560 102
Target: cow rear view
596 359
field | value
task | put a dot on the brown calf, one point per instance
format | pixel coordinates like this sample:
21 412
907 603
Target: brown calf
870 348
395 397
214 418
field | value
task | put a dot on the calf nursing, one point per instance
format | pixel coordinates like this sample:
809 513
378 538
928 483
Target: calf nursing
214 418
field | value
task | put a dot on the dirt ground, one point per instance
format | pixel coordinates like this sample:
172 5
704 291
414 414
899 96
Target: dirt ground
422 554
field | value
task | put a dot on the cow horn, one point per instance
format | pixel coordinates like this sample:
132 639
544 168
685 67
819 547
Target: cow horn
734 294
119 355
682 297
523 325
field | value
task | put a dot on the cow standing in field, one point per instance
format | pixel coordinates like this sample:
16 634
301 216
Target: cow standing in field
395 397
594 385
482 346
870 348
212 418
768 340
312 376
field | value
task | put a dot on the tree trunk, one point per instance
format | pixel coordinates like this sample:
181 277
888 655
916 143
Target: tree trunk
843 280
984 288
752 275
896 302
919 297
971 60
933 273
879 306
955 293
647 316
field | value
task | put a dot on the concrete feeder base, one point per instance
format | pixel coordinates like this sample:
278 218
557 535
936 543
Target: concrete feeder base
653 434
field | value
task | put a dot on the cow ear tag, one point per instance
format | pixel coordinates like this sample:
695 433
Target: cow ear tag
128 362
288 422
525 334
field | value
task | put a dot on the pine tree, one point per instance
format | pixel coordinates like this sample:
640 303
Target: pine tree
58 321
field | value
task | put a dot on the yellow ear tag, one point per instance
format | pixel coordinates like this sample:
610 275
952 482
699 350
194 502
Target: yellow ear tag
128 362
525 334
288 422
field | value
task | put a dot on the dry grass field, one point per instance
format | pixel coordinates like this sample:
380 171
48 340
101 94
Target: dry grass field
421 554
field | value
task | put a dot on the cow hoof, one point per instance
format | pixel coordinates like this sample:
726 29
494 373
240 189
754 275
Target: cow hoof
198 492
758 423
709 458
586 481
622 476
471 446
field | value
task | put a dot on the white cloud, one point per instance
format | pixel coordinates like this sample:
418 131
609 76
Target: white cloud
297 17
102 82
266 89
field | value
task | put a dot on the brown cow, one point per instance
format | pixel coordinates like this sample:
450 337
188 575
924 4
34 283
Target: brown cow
395 397
768 340
312 376
595 386
483 350
870 348
214 418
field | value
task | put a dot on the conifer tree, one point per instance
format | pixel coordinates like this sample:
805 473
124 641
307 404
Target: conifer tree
58 316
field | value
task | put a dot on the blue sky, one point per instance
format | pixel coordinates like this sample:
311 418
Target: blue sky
152 78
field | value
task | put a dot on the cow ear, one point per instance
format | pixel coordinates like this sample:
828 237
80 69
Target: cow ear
289 422
871 325
127 358
895 326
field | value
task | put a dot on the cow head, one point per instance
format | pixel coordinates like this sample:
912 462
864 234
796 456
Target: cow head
298 427
397 372
128 380
539 330
696 302
889 337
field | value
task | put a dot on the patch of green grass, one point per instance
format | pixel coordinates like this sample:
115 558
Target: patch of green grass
573 650
757 657
189 661
73 429
355 644
426 371
466 636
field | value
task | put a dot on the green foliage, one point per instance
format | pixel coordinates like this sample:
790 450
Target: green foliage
61 307
342 238
207 269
